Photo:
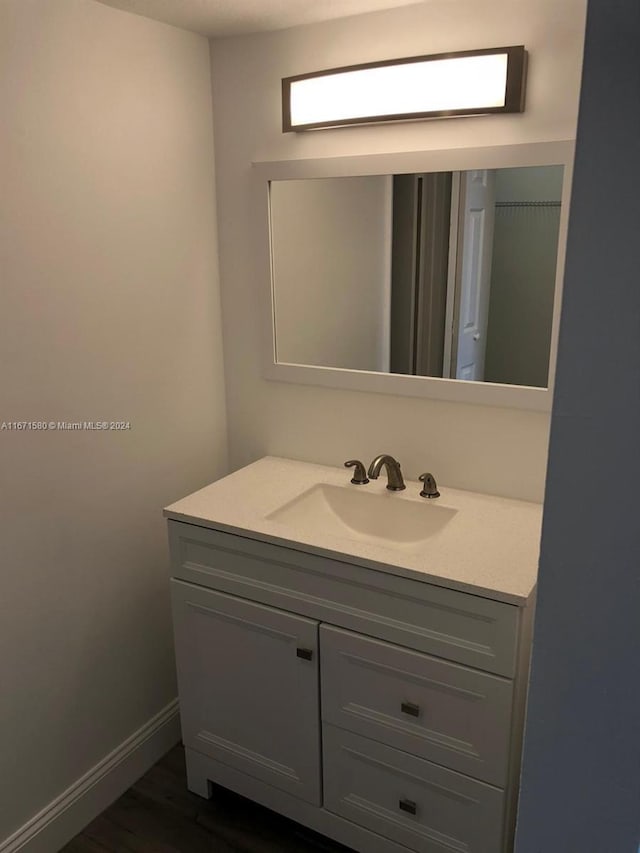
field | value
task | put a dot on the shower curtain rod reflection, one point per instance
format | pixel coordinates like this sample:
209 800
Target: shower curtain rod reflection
527 204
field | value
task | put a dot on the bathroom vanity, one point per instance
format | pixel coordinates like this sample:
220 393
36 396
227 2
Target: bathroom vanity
368 682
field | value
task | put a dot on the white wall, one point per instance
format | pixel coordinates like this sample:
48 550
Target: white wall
108 311
495 450
331 250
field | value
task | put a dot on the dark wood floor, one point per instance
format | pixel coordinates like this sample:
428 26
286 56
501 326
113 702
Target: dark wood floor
159 815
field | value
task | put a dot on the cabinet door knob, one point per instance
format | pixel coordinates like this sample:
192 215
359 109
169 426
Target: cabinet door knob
408 806
305 654
410 708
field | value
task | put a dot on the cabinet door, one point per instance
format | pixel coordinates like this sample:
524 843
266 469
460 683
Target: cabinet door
248 683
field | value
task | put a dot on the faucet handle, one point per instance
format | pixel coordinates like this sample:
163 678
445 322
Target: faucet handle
430 488
359 475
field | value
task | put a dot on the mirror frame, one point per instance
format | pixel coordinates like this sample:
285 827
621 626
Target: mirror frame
448 160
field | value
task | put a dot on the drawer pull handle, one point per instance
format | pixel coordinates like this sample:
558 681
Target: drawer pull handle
305 654
410 708
408 806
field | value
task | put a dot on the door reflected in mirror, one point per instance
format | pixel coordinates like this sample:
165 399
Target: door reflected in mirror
445 274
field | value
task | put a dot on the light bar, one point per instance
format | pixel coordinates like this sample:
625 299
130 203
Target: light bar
471 82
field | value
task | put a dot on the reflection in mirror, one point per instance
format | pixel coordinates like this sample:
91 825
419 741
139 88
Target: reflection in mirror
448 274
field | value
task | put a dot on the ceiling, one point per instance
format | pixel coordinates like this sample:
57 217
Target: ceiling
217 18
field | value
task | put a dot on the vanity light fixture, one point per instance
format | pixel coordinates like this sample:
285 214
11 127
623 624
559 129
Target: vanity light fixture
469 82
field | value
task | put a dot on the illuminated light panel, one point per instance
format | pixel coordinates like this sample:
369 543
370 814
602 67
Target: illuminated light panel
419 87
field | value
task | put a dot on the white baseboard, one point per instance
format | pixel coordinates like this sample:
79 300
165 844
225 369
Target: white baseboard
68 814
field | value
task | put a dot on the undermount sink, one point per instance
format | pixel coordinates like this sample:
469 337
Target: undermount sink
382 518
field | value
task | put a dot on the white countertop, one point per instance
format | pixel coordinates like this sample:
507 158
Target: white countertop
490 548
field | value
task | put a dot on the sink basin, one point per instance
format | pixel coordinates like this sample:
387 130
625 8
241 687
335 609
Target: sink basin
382 518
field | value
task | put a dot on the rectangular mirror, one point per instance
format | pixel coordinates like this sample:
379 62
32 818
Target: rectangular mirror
448 274
437 282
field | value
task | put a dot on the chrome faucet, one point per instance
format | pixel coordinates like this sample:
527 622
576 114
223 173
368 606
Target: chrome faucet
395 483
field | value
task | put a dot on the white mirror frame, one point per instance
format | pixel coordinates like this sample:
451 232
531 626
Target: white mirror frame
449 160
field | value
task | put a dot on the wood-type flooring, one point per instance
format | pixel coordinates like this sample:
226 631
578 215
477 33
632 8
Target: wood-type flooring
159 815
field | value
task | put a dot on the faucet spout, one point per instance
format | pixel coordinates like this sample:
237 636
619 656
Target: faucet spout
395 482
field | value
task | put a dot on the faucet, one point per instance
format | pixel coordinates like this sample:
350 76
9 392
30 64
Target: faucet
360 475
430 488
394 474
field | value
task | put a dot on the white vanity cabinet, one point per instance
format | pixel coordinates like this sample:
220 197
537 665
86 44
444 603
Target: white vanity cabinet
383 711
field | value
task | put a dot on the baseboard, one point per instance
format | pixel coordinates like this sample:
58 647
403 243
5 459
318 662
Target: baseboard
68 814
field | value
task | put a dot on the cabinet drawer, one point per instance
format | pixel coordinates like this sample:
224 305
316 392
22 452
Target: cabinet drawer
455 625
409 800
434 709
248 683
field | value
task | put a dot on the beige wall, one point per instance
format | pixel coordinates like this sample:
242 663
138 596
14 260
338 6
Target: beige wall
331 245
523 276
495 450
108 311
